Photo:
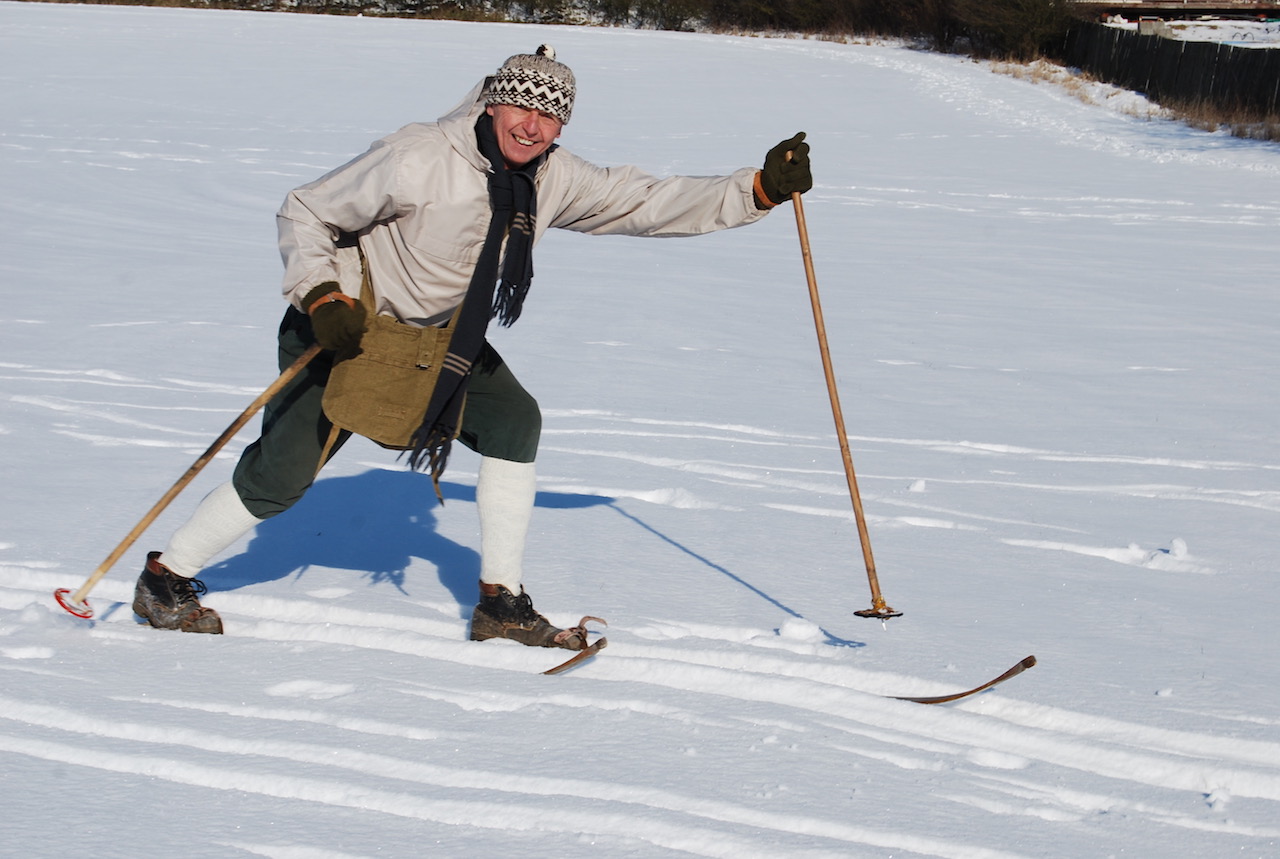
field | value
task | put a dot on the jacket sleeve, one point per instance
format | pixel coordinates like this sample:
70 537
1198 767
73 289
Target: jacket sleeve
346 200
628 201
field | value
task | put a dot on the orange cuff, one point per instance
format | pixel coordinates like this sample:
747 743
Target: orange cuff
336 295
759 192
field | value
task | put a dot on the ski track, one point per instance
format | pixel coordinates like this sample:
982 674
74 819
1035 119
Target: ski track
606 820
1001 756
773 471
771 467
771 481
1117 212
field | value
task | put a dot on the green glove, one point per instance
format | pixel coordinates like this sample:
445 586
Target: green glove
336 318
781 178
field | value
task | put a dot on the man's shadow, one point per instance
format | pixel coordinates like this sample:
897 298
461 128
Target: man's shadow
377 522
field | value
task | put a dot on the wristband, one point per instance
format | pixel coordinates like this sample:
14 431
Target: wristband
336 295
761 196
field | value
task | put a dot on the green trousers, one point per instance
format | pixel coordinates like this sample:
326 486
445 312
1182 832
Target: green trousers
501 420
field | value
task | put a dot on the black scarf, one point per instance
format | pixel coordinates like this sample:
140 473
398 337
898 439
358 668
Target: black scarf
513 199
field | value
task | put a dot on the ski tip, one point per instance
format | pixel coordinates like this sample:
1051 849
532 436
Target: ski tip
581 656
956 696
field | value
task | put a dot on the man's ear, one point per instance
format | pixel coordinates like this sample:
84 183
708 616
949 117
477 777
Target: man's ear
488 109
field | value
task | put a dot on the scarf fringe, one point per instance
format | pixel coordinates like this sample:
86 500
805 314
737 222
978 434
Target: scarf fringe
508 302
430 454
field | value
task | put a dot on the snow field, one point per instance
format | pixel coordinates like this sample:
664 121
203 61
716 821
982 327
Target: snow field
1053 326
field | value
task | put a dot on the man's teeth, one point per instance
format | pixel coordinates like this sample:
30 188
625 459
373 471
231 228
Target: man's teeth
523 141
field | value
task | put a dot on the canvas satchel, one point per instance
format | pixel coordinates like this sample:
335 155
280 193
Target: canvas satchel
382 391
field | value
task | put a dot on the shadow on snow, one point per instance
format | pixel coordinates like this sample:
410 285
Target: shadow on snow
379 521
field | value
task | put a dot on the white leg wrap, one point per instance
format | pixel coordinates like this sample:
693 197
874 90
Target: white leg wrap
504 498
219 521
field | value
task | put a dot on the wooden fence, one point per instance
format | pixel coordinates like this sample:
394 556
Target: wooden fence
1173 70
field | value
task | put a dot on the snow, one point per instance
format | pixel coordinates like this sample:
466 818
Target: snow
1053 326
1238 32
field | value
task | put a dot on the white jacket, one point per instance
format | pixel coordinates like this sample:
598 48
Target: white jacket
419 202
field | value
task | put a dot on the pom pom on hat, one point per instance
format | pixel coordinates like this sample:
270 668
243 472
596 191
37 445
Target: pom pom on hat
535 81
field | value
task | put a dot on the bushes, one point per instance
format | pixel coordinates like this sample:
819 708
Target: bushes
1010 29
1014 29
995 28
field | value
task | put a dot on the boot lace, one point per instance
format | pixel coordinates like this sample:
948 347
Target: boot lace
187 591
522 609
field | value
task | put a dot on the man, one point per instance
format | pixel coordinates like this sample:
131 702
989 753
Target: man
429 216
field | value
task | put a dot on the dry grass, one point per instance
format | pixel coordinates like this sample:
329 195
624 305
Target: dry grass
1239 123
1083 87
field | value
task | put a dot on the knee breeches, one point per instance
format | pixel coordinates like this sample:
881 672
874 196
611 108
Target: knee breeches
500 420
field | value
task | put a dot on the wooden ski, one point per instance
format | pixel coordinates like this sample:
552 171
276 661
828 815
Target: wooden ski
943 699
581 656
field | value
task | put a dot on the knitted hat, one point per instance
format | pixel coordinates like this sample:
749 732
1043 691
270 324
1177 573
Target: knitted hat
535 81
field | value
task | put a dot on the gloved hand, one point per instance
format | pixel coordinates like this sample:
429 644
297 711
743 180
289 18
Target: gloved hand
781 178
336 318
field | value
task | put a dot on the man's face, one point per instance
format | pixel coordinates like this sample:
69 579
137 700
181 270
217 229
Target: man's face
523 133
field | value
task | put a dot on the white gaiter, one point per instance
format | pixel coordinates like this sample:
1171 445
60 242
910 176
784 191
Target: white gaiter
219 521
505 493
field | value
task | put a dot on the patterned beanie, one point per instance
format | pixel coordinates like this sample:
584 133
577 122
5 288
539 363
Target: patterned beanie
535 81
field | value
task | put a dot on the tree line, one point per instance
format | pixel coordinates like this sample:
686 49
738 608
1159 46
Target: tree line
1006 29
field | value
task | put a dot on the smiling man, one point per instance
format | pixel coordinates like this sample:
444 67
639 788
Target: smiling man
423 240
523 133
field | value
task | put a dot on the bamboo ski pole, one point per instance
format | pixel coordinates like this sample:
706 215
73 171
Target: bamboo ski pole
878 607
75 603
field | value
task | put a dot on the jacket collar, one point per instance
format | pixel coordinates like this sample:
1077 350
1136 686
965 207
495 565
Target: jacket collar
459 126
